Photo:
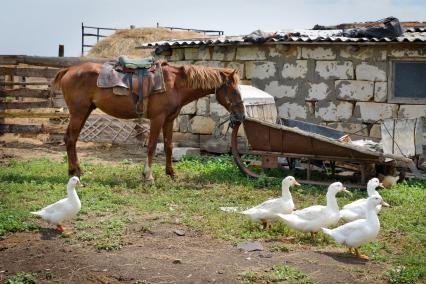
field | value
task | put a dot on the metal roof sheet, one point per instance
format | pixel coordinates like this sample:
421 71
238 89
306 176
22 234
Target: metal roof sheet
410 35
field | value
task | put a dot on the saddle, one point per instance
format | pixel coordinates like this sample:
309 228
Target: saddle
138 78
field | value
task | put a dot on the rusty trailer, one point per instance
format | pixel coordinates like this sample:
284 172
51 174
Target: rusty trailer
271 141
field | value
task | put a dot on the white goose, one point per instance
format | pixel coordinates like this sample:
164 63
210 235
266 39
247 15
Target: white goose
357 210
361 231
311 219
266 211
64 209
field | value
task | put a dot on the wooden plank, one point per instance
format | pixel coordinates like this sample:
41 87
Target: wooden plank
60 62
44 128
24 105
32 114
27 93
45 72
24 83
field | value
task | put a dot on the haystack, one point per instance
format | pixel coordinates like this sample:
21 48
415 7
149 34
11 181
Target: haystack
123 42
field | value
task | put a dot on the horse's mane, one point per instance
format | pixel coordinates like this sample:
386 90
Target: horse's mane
207 78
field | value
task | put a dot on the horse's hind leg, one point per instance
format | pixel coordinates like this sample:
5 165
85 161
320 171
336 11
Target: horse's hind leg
168 147
155 128
77 121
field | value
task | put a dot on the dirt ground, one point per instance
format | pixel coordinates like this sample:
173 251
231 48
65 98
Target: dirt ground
159 255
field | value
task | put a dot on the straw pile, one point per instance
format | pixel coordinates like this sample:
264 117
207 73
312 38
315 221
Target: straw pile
123 42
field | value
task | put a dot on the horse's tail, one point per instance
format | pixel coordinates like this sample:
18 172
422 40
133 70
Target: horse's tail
56 83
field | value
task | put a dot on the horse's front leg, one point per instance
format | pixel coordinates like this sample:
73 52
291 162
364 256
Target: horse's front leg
168 147
155 128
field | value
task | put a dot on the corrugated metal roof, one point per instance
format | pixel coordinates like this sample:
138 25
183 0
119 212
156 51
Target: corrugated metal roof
416 34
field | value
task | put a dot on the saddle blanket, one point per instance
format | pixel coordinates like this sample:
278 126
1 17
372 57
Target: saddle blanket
109 77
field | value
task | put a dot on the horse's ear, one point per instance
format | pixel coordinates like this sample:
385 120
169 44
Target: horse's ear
235 75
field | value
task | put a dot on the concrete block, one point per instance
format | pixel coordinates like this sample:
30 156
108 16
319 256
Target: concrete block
212 144
352 90
250 53
408 52
191 53
217 109
202 125
380 92
180 152
178 54
344 110
190 108
369 72
350 128
237 66
297 70
176 124
411 111
260 70
335 69
203 106
214 64
326 111
287 52
320 53
184 124
292 111
281 91
364 53
224 53
375 131
371 112
317 92
186 139
197 53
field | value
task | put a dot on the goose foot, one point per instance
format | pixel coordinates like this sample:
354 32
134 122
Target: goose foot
360 256
60 228
264 223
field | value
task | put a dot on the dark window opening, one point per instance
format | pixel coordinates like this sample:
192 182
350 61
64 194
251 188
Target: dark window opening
409 80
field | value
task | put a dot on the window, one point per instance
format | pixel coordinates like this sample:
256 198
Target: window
408 82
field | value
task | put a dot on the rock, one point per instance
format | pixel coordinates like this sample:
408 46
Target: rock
179 232
250 246
179 152
177 261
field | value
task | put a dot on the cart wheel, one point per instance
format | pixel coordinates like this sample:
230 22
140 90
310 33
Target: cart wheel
237 157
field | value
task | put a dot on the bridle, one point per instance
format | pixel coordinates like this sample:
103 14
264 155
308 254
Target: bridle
234 120
233 93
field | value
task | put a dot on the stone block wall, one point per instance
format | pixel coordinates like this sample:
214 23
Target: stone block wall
338 85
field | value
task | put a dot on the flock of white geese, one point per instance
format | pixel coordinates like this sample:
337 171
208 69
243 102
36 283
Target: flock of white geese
363 225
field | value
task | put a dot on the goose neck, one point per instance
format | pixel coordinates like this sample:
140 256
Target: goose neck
332 202
286 194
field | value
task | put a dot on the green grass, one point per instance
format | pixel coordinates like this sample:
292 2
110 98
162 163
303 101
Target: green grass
279 273
115 202
21 278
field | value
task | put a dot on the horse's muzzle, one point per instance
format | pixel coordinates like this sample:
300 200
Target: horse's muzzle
236 118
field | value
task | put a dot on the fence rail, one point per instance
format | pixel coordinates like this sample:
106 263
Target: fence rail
27 105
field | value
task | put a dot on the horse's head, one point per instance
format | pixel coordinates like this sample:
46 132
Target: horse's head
229 96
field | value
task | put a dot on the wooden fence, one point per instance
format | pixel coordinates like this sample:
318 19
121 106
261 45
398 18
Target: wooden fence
27 106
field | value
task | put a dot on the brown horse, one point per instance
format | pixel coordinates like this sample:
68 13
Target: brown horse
183 85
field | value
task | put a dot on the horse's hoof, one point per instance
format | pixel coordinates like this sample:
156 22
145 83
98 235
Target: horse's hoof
148 180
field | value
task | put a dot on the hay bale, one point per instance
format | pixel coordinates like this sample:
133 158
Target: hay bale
123 42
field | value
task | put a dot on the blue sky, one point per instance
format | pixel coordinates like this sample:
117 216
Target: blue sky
38 27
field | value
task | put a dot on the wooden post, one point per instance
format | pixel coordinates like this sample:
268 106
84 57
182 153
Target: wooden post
82 39
61 50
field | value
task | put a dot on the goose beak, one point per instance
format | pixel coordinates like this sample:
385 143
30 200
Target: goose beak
347 191
385 204
381 185
296 183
